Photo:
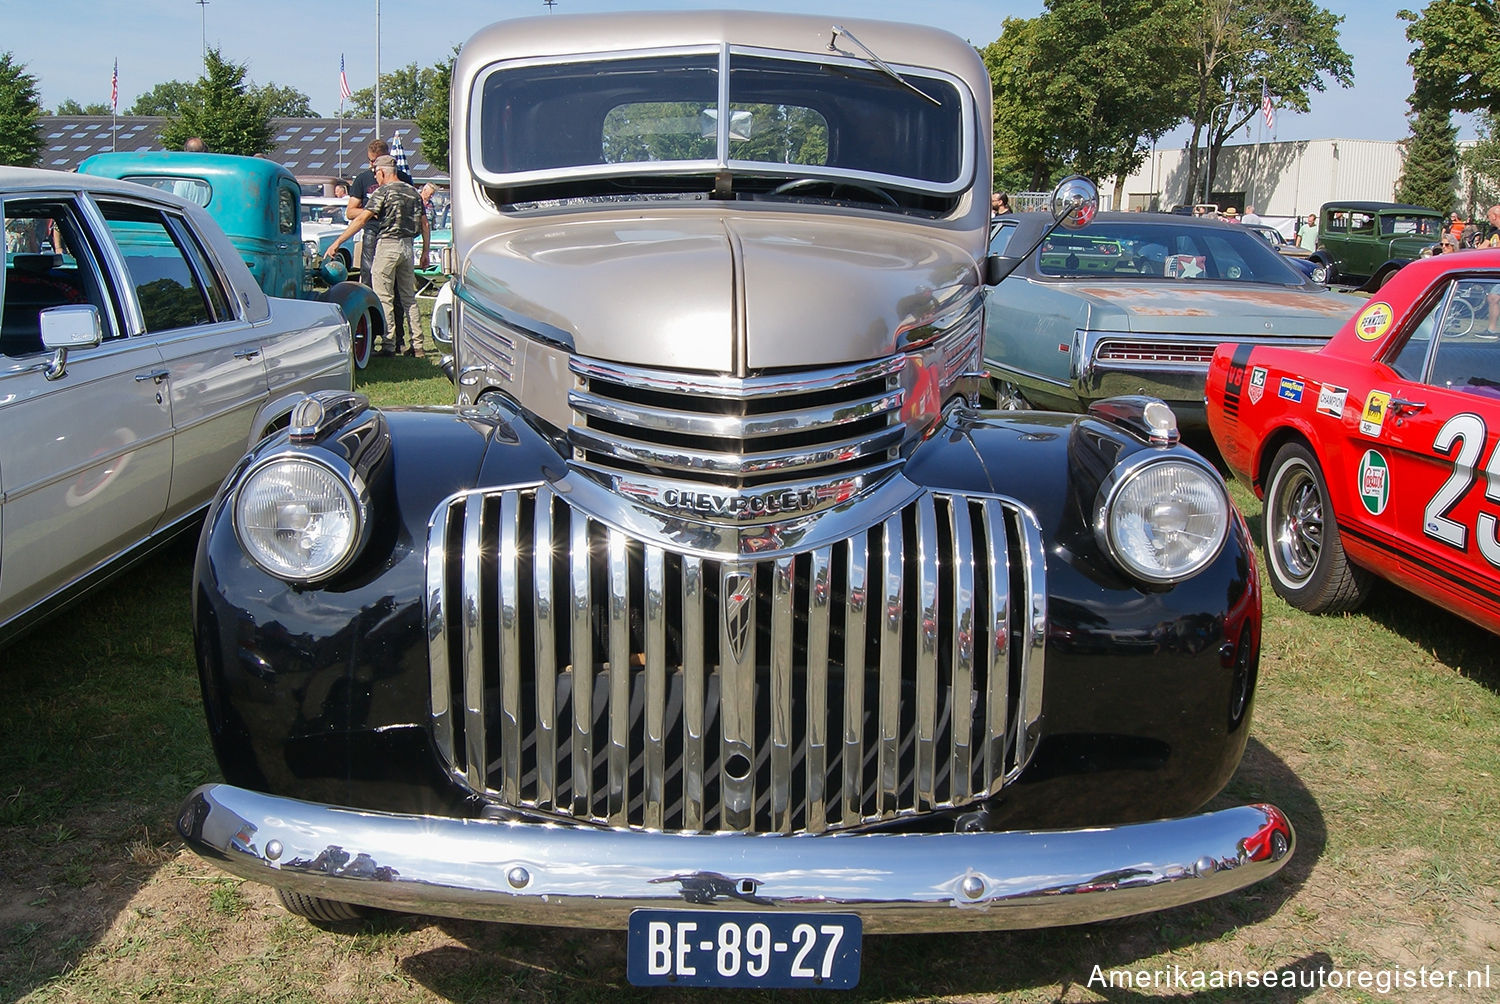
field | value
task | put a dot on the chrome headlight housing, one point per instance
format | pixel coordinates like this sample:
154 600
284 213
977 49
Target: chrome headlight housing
301 517
1163 519
310 248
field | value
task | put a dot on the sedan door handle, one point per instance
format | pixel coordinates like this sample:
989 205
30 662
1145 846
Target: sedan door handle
155 376
246 353
1399 405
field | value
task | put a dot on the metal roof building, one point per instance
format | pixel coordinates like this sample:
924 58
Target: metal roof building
318 151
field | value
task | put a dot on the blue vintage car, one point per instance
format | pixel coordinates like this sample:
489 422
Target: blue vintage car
257 204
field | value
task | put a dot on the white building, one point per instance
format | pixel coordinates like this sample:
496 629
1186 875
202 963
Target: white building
1281 180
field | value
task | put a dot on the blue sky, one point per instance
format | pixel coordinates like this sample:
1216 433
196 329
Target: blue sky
71 45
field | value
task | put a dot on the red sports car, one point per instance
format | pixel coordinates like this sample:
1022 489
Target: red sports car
1379 454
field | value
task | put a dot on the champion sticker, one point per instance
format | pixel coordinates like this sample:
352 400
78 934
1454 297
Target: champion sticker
1257 384
1331 400
1374 482
1372 419
1290 389
1373 321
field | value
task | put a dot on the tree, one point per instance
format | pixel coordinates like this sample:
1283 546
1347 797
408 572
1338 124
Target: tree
432 117
403 92
1482 161
223 111
1429 173
71 107
285 102
1087 86
21 141
164 99
1456 61
1287 46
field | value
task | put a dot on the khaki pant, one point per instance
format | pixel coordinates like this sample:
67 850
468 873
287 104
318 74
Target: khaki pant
395 285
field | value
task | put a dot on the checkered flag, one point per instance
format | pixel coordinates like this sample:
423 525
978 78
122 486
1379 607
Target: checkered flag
399 152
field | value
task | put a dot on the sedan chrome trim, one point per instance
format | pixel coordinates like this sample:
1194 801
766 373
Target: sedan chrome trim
537 873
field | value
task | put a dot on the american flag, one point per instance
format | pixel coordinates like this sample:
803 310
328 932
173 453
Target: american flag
344 92
399 152
1266 111
114 88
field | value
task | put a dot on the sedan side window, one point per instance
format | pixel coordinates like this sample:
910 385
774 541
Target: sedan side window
49 262
171 291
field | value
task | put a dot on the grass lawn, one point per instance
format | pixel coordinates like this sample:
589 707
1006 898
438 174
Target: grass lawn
1376 732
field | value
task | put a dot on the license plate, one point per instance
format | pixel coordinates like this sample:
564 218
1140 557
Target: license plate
698 948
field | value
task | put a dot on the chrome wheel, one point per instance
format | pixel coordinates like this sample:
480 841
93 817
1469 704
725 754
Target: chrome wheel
1008 397
1304 553
1296 539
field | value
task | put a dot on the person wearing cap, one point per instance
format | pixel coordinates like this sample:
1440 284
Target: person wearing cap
395 211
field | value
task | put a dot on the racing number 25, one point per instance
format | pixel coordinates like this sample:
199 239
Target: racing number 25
1462 438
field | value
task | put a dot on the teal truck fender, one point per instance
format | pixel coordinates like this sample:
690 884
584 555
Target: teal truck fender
361 308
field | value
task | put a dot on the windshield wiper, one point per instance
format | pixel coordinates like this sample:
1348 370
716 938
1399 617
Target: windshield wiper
877 62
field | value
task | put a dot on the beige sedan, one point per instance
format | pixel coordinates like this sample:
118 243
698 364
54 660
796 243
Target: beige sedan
138 361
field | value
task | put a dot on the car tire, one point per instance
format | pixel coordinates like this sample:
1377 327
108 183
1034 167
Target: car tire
1008 396
346 258
363 342
1304 552
327 911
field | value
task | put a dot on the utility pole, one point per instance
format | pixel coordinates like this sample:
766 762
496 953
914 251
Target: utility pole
203 16
377 69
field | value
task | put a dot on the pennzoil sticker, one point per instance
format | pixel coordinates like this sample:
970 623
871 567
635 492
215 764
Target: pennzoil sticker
1331 400
1290 389
1372 419
1373 321
1257 384
1374 482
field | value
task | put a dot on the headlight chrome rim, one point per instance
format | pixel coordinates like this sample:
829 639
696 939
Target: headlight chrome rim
343 477
1108 530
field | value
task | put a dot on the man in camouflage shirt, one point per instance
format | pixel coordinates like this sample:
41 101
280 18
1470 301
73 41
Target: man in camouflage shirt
396 208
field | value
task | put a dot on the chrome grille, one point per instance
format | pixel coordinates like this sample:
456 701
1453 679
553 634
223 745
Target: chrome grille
580 673
737 432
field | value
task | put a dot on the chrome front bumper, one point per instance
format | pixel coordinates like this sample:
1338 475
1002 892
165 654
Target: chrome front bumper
535 873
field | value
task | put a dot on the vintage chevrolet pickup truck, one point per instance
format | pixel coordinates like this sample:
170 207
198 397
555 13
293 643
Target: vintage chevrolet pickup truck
716 611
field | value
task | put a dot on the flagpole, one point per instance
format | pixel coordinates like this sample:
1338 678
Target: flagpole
377 69
114 105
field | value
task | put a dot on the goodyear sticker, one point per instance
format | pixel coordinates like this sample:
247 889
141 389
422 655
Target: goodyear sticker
1374 482
1290 389
1331 400
1257 384
1373 321
1372 419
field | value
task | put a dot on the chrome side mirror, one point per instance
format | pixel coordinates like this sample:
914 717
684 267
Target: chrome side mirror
74 326
1074 202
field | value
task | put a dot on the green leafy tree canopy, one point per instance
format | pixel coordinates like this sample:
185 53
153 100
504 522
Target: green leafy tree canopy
1456 61
1429 172
432 117
21 141
223 111
165 98
285 102
403 92
71 107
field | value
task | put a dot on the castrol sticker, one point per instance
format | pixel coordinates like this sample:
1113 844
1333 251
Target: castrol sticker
1373 321
1374 482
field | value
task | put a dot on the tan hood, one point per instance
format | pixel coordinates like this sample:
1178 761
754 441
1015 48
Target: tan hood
719 292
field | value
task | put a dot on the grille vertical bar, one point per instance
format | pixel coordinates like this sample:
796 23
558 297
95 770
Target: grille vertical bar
546 653
694 695
580 672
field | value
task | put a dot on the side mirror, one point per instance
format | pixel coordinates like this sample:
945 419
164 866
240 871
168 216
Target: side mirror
1072 205
1074 202
74 326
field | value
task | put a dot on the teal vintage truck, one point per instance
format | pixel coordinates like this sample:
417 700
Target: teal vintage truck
257 204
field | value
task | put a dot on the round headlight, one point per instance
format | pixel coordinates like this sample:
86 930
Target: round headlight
310 248
1166 520
298 519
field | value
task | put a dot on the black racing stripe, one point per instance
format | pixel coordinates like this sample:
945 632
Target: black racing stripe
1462 584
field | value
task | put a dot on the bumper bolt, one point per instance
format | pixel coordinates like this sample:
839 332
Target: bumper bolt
273 850
973 886
518 877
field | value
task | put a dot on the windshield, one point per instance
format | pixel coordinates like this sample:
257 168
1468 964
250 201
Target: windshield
323 214
659 114
1163 250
